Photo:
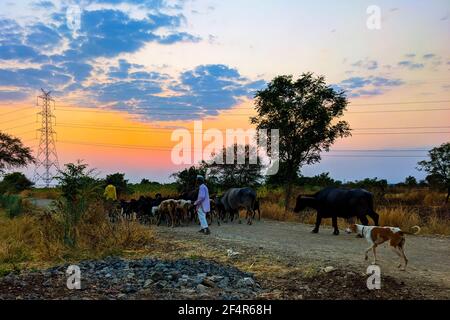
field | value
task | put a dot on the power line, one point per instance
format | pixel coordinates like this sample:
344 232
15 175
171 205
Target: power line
22 133
398 103
149 148
13 120
23 125
97 126
379 150
170 148
400 128
370 156
14 111
168 130
400 111
399 133
350 105
150 112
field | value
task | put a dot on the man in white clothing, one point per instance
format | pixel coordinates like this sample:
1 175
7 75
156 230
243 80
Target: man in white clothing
202 204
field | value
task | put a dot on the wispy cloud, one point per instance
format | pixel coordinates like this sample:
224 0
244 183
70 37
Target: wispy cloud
411 65
367 86
429 56
366 64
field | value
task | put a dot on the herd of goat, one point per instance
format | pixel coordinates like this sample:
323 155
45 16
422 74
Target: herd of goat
176 211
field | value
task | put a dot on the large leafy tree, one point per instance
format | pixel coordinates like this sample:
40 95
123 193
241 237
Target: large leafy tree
13 154
186 178
306 112
235 174
438 166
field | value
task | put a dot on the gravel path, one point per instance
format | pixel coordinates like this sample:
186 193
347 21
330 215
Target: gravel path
429 257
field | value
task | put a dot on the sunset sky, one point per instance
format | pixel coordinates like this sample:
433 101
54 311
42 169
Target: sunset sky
129 72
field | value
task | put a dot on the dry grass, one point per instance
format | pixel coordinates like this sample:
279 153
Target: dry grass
398 216
422 197
44 193
37 240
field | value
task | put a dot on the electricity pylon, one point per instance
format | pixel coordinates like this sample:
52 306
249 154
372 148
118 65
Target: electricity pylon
47 159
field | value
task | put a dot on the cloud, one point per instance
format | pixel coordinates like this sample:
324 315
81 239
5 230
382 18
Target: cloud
43 37
366 64
79 70
429 56
43 5
154 4
103 33
355 82
367 86
47 76
108 33
12 95
410 65
205 90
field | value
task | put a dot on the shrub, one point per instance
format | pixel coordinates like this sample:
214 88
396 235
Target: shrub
79 191
14 183
12 204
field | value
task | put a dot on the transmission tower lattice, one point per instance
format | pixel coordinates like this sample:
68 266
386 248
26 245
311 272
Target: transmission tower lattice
47 159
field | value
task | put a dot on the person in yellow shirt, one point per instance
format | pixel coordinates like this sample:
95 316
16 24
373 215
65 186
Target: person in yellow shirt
110 192
110 203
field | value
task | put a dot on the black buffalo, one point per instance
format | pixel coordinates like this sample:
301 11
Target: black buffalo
236 198
343 203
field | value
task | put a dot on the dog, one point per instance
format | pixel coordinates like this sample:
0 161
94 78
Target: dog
378 235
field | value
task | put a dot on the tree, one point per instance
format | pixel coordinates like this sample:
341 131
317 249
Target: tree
305 111
14 183
375 185
186 179
410 181
438 167
320 180
13 154
228 175
118 181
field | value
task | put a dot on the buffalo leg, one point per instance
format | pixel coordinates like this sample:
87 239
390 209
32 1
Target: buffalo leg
364 220
250 215
318 221
375 217
335 226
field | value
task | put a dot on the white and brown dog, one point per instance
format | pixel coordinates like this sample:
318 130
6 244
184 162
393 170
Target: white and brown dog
378 235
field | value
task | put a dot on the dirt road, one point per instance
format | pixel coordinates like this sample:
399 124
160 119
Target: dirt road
429 257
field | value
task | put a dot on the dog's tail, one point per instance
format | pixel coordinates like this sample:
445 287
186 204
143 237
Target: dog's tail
417 228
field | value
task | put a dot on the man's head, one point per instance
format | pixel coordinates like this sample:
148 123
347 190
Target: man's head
200 179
